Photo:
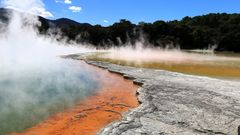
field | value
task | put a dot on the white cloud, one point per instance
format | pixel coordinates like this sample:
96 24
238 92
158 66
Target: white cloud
58 1
64 1
41 12
105 21
35 7
67 1
75 9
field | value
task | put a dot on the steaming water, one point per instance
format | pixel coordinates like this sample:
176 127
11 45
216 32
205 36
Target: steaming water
26 98
34 81
219 65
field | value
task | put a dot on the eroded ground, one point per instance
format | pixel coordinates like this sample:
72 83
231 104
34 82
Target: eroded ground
174 103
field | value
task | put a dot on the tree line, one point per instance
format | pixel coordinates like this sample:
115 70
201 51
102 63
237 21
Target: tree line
218 31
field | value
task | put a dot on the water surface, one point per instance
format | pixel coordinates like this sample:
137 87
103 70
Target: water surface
218 65
29 96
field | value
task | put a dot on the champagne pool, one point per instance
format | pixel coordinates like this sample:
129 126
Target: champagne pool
27 97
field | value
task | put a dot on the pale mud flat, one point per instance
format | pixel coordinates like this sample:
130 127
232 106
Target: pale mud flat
177 104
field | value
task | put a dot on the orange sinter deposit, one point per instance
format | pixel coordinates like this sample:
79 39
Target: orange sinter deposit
117 95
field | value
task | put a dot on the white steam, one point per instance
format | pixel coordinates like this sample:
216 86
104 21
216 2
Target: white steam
139 54
35 7
34 81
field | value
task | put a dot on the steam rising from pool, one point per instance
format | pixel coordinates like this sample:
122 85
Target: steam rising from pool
138 53
34 81
195 62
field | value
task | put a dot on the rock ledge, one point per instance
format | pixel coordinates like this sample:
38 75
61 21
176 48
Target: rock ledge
177 104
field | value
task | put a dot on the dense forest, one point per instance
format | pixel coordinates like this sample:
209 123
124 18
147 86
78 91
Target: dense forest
220 32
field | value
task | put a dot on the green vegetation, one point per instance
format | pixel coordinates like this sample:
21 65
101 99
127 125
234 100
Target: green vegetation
220 32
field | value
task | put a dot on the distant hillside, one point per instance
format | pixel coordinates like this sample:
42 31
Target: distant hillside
218 31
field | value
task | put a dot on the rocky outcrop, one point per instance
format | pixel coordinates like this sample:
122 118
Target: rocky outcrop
177 104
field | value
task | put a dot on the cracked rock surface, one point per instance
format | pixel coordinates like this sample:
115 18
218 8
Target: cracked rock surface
174 103
177 104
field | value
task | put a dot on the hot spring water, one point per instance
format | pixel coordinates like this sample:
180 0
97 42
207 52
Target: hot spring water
217 65
34 81
28 97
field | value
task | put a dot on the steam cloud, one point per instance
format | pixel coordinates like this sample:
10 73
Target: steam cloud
139 53
34 81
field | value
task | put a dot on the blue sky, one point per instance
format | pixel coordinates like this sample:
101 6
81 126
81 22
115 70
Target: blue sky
106 12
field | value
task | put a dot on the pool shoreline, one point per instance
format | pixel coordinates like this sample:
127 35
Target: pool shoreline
95 112
175 103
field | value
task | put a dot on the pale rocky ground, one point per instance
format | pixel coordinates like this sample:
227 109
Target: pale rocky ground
177 104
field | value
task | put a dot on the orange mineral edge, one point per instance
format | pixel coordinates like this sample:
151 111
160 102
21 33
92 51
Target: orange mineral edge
116 96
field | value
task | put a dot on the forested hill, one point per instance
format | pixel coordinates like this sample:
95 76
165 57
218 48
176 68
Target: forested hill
201 32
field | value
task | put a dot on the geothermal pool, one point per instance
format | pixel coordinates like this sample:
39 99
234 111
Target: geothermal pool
29 96
93 113
217 65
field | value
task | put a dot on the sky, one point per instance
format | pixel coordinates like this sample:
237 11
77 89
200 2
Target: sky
106 12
